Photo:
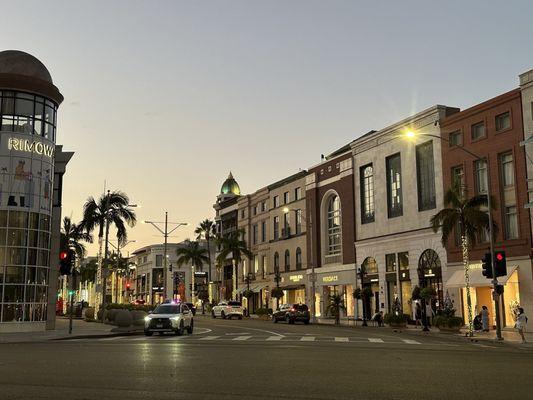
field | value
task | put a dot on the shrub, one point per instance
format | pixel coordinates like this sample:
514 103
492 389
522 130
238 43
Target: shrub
248 293
444 321
395 319
263 311
138 317
277 293
428 293
89 313
123 318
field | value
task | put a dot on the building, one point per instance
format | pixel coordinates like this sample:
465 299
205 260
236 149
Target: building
330 224
493 130
31 168
147 280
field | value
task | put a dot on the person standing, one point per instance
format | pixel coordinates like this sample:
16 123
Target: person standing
521 321
485 318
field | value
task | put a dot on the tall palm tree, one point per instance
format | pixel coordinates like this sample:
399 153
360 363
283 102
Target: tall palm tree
206 230
110 209
192 254
72 236
336 304
470 220
232 246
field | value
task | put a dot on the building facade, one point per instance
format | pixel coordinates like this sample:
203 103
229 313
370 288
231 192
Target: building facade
493 130
30 193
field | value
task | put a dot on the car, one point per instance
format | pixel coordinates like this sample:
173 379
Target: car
192 308
228 309
291 313
175 318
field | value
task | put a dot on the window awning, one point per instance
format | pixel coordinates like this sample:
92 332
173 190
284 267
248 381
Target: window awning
457 280
257 288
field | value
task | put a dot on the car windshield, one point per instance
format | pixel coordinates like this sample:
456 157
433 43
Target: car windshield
234 303
167 309
300 307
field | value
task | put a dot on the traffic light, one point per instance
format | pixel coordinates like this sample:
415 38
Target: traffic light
66 259
128 286
500 263
486 265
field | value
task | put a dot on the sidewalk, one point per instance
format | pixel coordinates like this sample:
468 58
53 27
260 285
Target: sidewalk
80 328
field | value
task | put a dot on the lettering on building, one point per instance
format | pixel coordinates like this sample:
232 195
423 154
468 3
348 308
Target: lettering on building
30 147
296 278
331 278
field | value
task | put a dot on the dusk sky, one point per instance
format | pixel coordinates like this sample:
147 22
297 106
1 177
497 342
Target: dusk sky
163 99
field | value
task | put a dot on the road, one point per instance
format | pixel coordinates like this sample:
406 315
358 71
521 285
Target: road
252 359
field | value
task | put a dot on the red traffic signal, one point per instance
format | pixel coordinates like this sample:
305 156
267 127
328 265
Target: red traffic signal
63 255
499 256
66 261
128 285
500 265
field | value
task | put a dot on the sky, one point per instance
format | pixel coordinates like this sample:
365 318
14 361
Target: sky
163 99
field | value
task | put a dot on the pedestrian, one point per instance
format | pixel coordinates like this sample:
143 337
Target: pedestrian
429 312
485 318
521 321
418 313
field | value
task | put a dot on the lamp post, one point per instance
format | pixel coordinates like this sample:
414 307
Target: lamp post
165 232
313 276
411 134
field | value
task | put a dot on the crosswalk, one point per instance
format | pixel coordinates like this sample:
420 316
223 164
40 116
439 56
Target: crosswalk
248 338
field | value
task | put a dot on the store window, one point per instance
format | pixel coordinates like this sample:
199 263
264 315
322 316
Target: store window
390 262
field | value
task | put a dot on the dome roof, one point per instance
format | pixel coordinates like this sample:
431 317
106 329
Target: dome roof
230 186
21 63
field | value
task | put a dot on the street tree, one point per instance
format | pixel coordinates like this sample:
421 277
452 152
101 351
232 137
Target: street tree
234 247
335 306
206 231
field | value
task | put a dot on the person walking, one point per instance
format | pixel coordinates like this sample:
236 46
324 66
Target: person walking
485 318
521 321
418 314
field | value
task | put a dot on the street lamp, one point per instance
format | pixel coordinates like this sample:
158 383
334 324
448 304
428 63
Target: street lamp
411 135
309 221
165 232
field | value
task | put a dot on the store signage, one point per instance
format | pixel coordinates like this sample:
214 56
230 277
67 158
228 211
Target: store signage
30 147
331 278
202 274
296 278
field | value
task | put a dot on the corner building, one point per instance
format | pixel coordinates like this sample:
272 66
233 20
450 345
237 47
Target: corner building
30 192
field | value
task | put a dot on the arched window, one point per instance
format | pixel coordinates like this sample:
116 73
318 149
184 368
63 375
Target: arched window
370 266
430 273
334 232
298 258
287 261
276 261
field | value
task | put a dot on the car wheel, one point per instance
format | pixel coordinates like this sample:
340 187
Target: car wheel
306 321
288 320
274 319
240 316
180 330
213 314
148 333
190 328
222 315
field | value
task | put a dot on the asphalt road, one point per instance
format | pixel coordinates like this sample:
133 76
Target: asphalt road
253 359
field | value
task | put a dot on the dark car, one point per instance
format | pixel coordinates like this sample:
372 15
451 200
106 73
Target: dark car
191 307
291 313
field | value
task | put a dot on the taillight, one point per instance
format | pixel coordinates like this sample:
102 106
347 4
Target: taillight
292 309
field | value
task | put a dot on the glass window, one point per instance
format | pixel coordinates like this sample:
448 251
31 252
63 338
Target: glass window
478 130
15 274
403 260
298 217
367 193
298 193
263 231
18 219
159 260
287 261
17 237
458 176
276 201
263 206
507 169
276 261
254 210
254 234
286 199
370 266
425 176
390 262
456 138
511 223
242 214
480 171
334 226
276 227
298 258
503 121
394 186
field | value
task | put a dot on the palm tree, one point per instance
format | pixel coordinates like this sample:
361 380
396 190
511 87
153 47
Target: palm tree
192 254
206 230
336 304
468 218
72 236
110 209
233 246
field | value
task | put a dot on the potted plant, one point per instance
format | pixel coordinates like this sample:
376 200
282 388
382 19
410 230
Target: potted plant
395 320
446 320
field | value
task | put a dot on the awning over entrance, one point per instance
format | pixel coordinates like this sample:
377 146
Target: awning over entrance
240 290
257 288
457 280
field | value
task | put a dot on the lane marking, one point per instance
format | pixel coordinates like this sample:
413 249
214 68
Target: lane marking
307 339
375 340
205 330
270 338
342 339
242 338
209 338
264 330
409 341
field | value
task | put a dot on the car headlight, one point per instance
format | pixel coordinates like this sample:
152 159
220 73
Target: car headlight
146 319
175 318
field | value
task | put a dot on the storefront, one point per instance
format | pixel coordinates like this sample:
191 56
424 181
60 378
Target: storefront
293 286
335 283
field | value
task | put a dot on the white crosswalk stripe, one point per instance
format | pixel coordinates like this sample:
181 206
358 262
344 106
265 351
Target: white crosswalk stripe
272 338
307 339
209 338
342 339
409 341
242 338
375 340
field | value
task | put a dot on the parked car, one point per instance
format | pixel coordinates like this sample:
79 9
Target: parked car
169 318
228 309
291 313
191 307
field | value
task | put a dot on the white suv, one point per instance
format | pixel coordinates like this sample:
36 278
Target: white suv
169 318
228 309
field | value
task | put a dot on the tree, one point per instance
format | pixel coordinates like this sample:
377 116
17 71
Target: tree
336 304
206 230
88 271
72 236
110 209
468 218
194 255
233 246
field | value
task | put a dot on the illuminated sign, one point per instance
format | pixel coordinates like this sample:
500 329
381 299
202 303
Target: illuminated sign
296 278
30 147
332 278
